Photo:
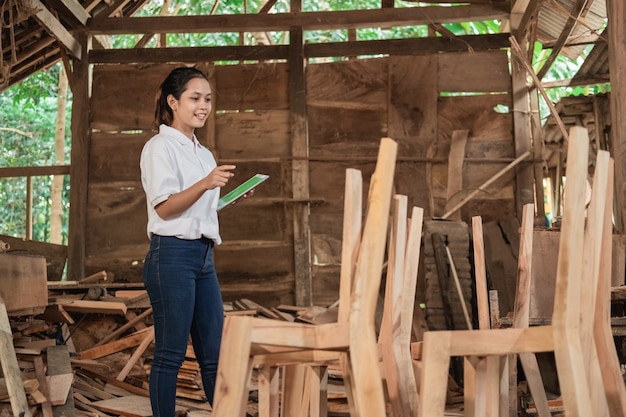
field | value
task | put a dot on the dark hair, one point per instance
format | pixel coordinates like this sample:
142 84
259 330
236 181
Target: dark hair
175 84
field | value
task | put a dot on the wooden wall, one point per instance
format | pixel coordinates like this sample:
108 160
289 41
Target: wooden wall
418 101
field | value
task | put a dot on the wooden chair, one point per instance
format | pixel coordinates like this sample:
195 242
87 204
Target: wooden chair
249 340
399 303
563 337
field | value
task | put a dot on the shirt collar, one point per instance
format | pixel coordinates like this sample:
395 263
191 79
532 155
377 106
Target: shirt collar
178 135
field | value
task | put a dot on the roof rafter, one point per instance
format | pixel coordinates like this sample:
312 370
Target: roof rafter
55 27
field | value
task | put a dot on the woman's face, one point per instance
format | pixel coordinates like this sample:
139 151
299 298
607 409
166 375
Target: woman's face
192 109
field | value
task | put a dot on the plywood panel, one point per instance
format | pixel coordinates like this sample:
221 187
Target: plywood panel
255 87
466 71
254 135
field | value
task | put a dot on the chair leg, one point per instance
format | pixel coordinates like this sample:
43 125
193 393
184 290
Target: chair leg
294 377
435 367
269 391
234 368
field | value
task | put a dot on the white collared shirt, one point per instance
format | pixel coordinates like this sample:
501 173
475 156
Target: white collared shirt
170 163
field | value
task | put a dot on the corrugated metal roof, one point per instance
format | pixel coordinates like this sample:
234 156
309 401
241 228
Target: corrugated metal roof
553 17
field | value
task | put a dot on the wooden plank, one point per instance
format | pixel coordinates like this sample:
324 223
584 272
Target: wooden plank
128 406
116 346
594 232
145 343
522 310
56 255
466 72
266 134
567 343
23 283
40 372
605 345
231 387
455 169
93 307
252 87
10 367
363 347
60 387
308 20
58 361
413 99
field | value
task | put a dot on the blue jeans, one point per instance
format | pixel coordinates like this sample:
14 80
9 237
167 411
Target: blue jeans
181 281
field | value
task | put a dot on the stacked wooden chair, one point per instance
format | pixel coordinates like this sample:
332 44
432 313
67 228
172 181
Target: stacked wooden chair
250 341
587 365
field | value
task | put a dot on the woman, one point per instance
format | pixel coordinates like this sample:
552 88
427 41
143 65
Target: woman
182 184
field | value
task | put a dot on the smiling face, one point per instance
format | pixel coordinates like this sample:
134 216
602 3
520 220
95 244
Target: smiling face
192 109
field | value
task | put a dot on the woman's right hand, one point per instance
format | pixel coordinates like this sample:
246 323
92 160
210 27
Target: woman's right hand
219 176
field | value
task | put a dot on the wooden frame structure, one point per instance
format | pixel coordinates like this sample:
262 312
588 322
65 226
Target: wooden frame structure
246 337
565 337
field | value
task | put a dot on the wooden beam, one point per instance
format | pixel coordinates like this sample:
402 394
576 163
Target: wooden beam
73 7
56 28
307 20
414 46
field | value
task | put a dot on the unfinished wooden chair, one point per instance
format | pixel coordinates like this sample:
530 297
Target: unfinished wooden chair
486 378
247 340
399 303
563 336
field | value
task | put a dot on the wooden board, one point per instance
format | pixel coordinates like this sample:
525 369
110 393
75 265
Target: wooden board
545 250
115 156
128 406
257 87
356 81
255 135
413 101
23 283
58 361
116 89
56 255
466 71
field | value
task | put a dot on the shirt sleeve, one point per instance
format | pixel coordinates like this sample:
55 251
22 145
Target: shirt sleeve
159 173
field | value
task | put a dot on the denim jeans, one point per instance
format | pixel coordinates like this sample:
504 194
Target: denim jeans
181 281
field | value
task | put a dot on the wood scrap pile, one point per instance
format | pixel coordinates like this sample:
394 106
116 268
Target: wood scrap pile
88 353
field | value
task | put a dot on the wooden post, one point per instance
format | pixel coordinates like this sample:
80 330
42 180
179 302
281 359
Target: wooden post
300 169
616 11
79 169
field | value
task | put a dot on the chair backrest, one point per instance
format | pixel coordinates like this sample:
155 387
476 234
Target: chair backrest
351 238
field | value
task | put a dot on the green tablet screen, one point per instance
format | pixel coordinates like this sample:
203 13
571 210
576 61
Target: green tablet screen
239 192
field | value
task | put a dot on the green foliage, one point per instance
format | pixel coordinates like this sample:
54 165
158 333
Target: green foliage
28 116
27 137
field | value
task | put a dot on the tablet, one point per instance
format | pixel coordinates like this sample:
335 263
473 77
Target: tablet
239 192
